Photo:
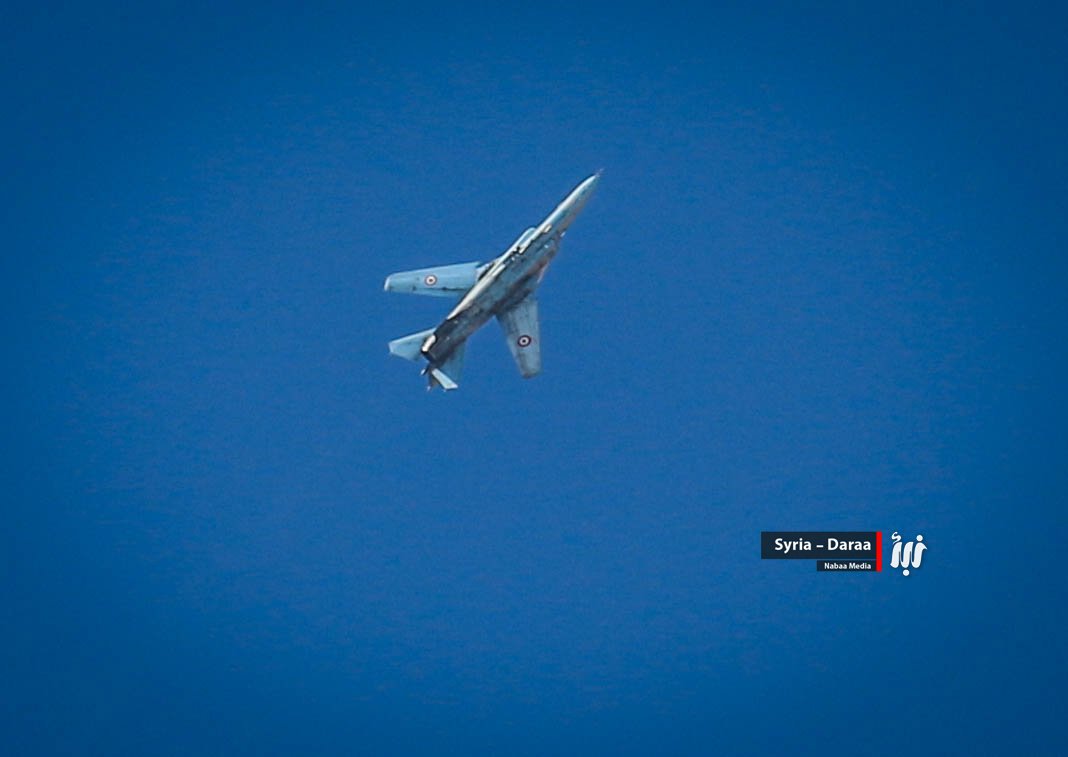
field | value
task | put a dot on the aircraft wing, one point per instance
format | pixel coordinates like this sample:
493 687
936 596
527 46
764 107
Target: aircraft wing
441 281
520 325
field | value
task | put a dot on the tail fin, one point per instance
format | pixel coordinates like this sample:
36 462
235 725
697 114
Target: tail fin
409 347
447 375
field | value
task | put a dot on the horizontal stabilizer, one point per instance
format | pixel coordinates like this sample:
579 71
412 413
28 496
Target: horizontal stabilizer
409 347
441 281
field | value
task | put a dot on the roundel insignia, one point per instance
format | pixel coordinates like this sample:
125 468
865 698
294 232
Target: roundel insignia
430 280
524 340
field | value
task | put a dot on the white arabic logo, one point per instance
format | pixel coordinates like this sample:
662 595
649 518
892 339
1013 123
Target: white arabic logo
907 555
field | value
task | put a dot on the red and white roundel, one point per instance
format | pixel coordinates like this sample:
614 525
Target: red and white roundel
430 280
524 340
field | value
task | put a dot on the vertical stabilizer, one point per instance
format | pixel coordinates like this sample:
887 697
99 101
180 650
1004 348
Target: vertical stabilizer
447 375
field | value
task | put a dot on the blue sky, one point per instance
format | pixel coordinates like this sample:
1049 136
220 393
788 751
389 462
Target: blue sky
821 286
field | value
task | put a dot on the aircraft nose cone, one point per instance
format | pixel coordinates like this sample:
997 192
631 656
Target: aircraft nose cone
585 191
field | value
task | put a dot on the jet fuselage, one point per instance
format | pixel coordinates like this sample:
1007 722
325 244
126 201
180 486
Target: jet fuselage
503 288
508 279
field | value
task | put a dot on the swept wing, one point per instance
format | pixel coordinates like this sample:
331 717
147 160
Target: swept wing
522 331
440 281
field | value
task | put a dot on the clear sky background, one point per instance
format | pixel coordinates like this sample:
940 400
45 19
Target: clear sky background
822 285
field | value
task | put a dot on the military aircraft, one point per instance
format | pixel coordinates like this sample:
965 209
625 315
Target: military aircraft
502 288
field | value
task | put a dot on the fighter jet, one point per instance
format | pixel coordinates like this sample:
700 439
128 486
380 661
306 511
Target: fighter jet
502 288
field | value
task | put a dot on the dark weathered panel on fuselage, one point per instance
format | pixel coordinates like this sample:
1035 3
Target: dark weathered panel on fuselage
511 284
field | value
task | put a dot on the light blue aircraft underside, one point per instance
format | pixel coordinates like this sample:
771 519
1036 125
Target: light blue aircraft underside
504 288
